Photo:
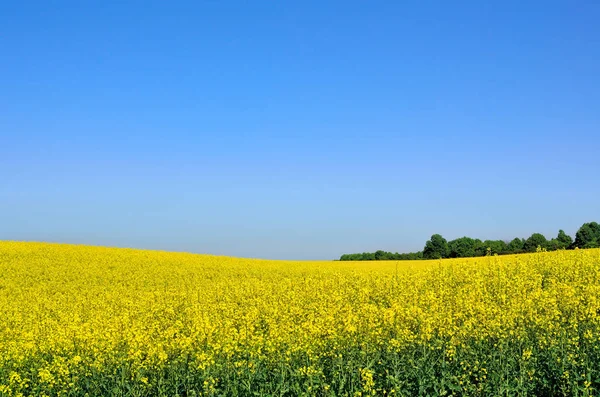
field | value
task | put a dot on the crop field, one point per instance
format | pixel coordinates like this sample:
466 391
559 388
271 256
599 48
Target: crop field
78 320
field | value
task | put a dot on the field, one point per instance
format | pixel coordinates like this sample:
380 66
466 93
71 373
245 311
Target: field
77 320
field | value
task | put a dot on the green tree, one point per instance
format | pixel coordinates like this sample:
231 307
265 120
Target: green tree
382 255
368 256
534 241
553 245
588 236
564 240
480 248
515 246
436 248
463 247
495 246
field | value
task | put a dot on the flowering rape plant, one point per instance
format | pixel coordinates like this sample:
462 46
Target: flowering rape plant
78 320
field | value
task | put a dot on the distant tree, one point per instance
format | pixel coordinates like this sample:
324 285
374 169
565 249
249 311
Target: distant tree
436 248
553 245
534 241
411 256
588 236
564 240
515 246
480 249
494 246
463 247
382 255
368 256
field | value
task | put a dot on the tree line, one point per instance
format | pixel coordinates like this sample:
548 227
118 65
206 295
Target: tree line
437 247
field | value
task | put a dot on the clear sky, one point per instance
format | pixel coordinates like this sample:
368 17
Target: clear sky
297 129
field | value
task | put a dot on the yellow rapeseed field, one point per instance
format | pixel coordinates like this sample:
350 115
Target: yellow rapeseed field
79 320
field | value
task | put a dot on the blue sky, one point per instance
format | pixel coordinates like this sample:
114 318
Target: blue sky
297 130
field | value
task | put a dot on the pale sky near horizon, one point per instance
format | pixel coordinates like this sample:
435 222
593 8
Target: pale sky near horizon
297 130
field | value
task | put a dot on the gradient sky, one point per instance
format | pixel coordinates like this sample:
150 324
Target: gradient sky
297 129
